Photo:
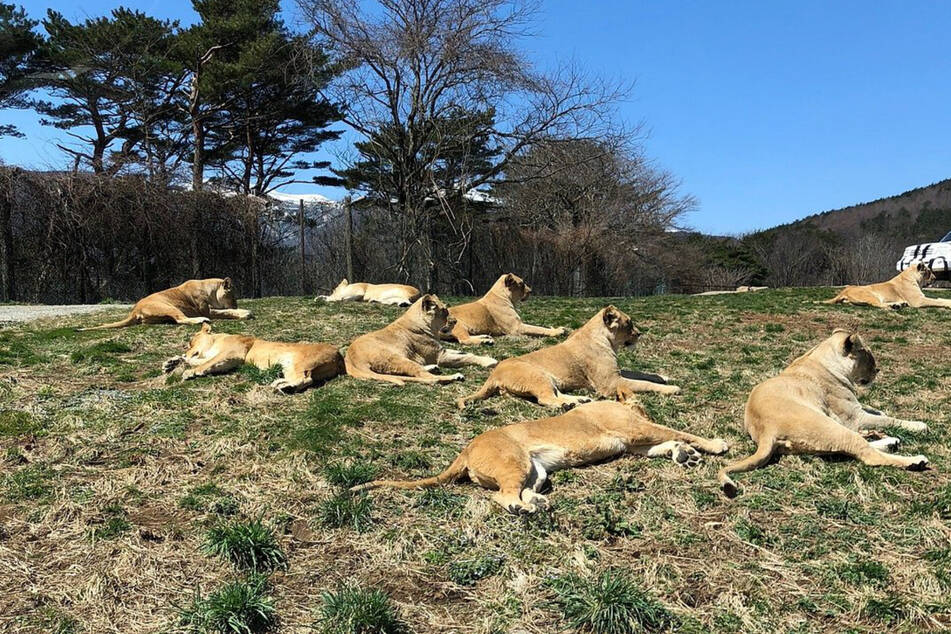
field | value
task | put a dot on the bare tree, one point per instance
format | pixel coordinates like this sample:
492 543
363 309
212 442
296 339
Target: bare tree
598 205
416 65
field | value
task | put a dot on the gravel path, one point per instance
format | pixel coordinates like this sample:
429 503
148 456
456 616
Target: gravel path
21 312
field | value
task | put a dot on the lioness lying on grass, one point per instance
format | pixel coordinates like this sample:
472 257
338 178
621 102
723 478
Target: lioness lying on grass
391 294
193 302
902 290
409 349
516 459
587 360
302 364
494 314
811 408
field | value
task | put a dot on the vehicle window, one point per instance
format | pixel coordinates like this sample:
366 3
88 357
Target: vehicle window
947 238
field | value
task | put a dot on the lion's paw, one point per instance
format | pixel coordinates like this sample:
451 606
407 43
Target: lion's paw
686 456
918 463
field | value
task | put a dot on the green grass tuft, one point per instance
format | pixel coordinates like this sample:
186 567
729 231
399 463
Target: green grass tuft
611 603
355 610
347 511
249 545
466 572
346 475
99 353
18 423
241 607
32 482
115 523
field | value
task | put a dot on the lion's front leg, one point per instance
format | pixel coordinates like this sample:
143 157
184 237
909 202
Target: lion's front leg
868 418
449 358
539 331
230 313
171 364
933 302
623 388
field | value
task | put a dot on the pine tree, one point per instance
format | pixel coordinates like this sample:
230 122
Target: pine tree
18 44
97 71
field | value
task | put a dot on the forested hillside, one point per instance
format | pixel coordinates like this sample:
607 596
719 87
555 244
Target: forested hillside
856 244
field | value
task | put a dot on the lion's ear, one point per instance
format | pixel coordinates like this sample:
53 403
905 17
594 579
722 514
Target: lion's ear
611 317
206 327
852 343
510 280
428 304
227 284
921 266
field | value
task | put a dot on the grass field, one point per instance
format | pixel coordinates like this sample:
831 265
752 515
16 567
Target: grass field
132 502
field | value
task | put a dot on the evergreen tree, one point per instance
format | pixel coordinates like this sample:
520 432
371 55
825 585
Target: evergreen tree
99 71
18 44
274 109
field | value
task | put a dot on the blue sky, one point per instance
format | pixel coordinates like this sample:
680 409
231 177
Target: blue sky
766 111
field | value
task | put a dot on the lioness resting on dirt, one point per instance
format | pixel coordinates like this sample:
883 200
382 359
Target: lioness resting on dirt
494 314
811 408
194 302
391 294
585 360
409 349
302 364
516 459
902 290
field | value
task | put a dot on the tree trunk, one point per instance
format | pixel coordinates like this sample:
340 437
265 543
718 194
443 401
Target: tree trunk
6 229
303 255
198 156
349 238
429 256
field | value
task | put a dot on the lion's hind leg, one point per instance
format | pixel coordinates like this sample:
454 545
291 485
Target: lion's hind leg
861 296
851 443
221 363
294 380
524 380
507 467
168 313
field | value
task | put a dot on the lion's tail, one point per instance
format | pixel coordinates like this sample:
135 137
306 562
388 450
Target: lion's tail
838 299
131 320
490 388
762 455
453 472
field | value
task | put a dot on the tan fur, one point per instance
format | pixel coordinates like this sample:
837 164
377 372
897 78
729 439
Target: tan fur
516 459
408 349
302 364
587 360
193 302
494 314
391 294
812 408
902 290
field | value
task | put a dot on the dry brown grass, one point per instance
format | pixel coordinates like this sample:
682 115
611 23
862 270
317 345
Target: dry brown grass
811 544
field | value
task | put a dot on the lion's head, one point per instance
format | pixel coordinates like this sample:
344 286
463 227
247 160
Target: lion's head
923 274
223 295
515 287
431 314
621 329
860 364
200 342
